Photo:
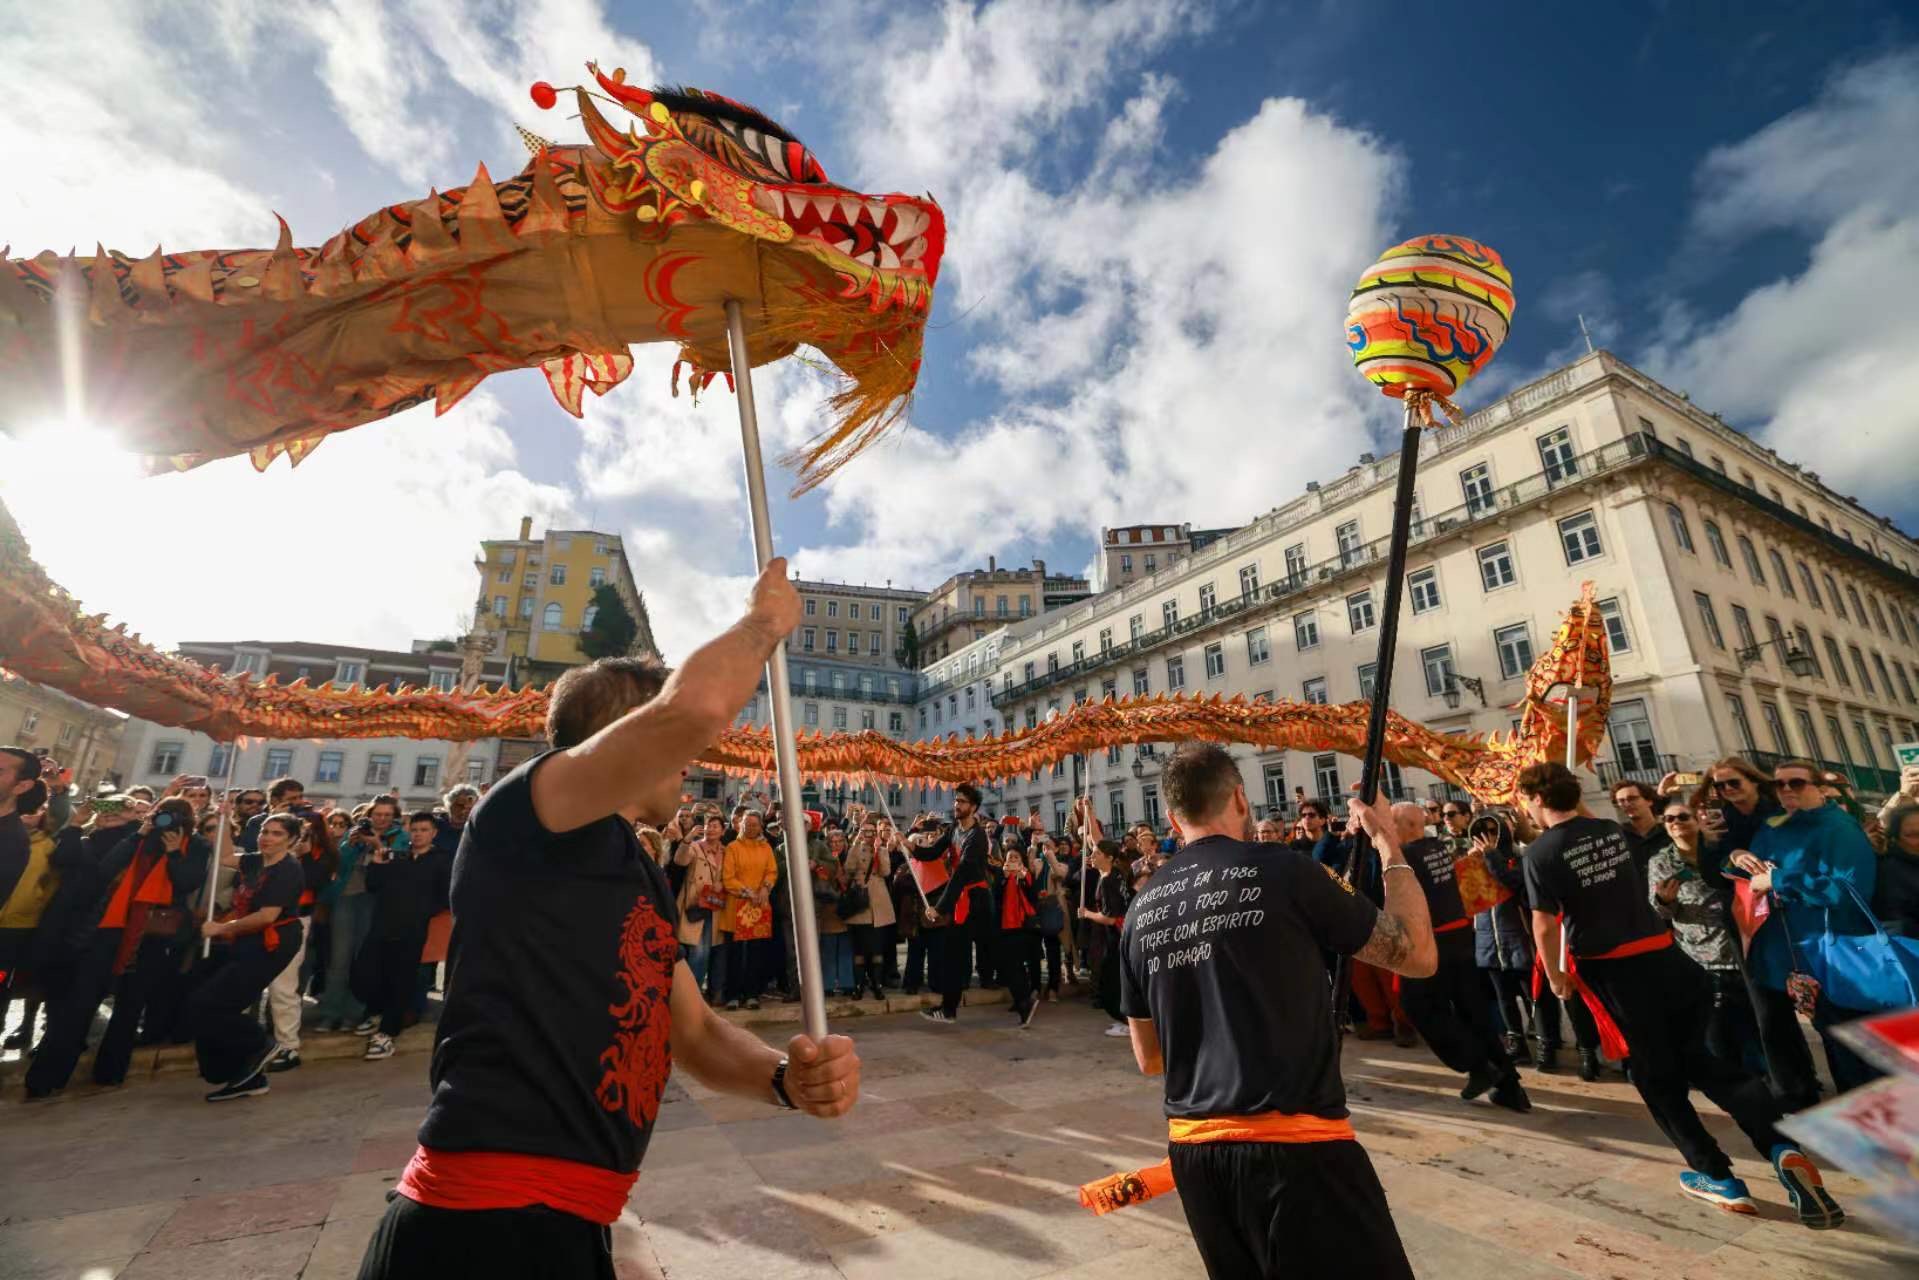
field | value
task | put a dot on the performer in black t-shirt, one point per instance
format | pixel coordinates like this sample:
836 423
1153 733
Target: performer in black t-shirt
566 999
1584 867
1450 1009
1225 991
965 902
262 932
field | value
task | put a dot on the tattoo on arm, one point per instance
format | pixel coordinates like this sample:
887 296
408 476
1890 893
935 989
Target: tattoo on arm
1390 947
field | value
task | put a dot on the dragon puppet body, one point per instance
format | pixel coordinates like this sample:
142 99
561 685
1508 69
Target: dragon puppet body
45 636
628 238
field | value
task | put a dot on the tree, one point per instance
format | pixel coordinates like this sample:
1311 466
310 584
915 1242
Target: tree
613 629
909 653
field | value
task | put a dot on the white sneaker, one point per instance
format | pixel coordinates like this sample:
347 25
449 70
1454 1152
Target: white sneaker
1119 1031
378 1046
939 1016
365 1027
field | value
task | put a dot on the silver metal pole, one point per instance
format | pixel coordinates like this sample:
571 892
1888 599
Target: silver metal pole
219 847
799 867
1572 731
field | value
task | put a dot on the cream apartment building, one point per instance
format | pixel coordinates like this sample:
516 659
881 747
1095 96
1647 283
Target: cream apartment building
1712 557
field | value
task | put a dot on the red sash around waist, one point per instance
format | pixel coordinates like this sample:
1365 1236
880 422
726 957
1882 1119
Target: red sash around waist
1637 947
506 1180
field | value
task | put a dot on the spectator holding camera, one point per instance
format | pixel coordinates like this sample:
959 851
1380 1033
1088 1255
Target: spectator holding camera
121 940
701 897
350 911
407 888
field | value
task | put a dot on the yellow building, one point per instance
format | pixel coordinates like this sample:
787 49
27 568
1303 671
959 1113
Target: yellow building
539 593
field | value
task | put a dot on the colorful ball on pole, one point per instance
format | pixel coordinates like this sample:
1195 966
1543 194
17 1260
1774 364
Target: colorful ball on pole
1429 314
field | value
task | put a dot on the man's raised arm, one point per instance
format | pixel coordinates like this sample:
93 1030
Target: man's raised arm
615 766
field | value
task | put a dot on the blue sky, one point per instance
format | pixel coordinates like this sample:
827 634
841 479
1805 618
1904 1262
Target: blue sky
1157 208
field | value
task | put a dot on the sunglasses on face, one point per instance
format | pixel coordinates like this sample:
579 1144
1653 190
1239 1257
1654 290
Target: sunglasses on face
1678 817
1453 813
1794 784
1728 784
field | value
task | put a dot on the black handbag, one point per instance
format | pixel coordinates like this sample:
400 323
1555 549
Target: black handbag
852 901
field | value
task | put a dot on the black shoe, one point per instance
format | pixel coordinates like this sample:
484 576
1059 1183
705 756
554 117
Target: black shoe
879 992
285 1060
1508 1093
1405 1037
1589 1064
252 1086
1477 1082
1515 1046
1546 1057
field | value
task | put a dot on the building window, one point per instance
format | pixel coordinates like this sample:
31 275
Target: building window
1838 662
1645 425
526 608
1274 778
1556 454
1306 630
1423 586
530 579
1052 662
999 606
1368 680
349 674
1515 650
220 761
1152 562
1476 482
1135 626
379 770
1681 531
832 608
1359 610
1168 613
895 722
1026 606
979 606
1296 562
1617 637
1858 609
1838 605
441 680
1149 800
557 576
832 640
1775 727
249 664
1109 688
893 688
166 757
810 715
1579 536
1347 536
1804 637
1496 567
1779 573
807 636
1741 727
1248 579
1709 619
596 576
1859 668
1808 733
1905 685
1438 664
902 615
1718 463
1742 627
1027 672
1879 620
426 772
1105 639
1634 749
1116 809
499 606
1207 598
551 617
1751 557
1717 542
1175 673
1745 478
1838 736
1865 743
1215 661
1257 648
1126 562
1139 682
839 717
1805 580
332 765
812 607
1683 445
1326 777
1314 690
1885 676
853 609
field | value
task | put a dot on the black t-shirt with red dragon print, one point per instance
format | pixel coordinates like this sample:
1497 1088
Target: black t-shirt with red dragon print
554 1041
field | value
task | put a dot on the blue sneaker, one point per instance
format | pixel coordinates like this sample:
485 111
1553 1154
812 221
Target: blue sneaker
1816 1208
1728 1193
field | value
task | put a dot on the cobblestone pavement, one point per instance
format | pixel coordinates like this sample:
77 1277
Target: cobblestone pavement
962 1160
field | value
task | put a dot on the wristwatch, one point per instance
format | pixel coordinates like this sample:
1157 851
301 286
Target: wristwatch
779 1088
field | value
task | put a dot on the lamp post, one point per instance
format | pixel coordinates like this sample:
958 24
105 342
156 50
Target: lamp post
1798 661
1451 692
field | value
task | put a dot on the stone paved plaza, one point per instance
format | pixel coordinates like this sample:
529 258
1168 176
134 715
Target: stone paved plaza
962 1161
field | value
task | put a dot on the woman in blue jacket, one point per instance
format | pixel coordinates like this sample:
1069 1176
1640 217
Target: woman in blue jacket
1813 858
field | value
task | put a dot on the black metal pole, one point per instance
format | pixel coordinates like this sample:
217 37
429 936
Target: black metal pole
1371 763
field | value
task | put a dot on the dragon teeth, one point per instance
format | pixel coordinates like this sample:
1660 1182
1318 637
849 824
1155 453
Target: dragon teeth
889 259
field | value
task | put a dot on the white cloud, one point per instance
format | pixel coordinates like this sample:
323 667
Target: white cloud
1819 362
1150 319
641 441
369 541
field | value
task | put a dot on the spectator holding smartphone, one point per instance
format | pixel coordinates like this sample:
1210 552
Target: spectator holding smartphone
1731 805
351 911
407 888
1702 925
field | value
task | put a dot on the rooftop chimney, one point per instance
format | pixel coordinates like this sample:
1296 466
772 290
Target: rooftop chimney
1367 459
991 564
1039 567
526 528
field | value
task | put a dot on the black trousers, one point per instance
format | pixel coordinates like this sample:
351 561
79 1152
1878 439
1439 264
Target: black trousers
227 1038
1661 1002
956 956
70 1010
923 951
1546 1020
1107 993
1268 1209
890 954
1732 1030
383 978
1452 1013
1014 946
151 967
414 1241
1050 941
868 964
1510 990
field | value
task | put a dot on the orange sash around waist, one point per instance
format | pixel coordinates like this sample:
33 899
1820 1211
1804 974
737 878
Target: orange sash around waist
1123 1190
